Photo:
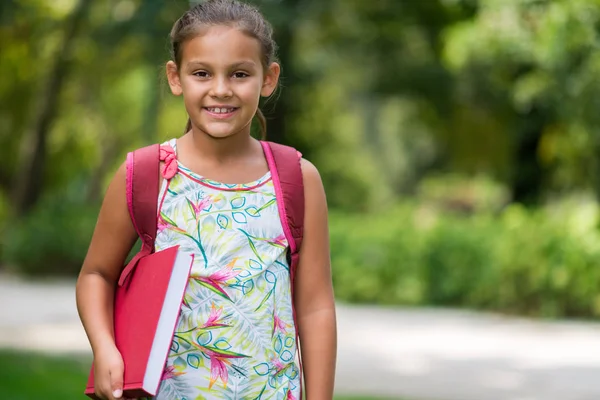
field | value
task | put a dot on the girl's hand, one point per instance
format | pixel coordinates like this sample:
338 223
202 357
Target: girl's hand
108 373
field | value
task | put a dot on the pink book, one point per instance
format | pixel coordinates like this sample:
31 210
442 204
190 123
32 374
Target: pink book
147 307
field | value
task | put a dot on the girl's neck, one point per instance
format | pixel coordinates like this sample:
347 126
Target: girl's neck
219 150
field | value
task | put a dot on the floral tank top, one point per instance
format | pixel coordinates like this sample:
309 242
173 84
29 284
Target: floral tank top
235 337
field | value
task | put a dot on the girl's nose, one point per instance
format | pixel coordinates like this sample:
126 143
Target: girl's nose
221 88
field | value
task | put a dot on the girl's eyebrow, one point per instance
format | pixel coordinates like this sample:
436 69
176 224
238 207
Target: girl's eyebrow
247 64
196 64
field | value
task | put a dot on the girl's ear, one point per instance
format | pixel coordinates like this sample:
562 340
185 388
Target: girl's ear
173 77
271 79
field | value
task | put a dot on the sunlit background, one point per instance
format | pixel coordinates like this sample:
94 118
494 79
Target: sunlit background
458 142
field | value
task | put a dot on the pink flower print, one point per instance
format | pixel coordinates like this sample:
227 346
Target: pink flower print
170 373
213 318
218 370
226 273
219 360
278 241
277 364
162 224
169 168
290 396
198 207
165 222
218 279
279 325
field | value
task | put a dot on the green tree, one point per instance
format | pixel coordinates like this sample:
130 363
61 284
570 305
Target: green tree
529 71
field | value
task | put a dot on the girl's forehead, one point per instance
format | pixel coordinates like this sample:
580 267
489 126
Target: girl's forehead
221 45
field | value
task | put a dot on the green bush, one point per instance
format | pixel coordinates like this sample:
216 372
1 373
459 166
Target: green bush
52 239
532 262
374 261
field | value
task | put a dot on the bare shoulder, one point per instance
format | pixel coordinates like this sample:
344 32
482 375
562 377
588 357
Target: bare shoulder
310 175
117 187
114 234
314 192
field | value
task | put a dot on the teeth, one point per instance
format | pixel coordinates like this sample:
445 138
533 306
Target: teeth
218 110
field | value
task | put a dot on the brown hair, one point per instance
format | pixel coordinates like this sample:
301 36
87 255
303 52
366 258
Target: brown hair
233 13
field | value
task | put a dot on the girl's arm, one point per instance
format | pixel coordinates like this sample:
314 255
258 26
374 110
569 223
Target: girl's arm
314 299
111 242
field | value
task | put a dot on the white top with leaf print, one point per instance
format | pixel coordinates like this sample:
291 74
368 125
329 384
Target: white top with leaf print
235 337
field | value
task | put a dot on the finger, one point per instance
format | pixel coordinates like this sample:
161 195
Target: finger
100 393
116 382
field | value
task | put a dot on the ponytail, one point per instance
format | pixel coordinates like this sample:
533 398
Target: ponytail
262 123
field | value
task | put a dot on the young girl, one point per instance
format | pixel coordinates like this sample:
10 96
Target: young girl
223 61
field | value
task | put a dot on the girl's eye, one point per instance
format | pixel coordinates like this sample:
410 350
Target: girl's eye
240 75
201 74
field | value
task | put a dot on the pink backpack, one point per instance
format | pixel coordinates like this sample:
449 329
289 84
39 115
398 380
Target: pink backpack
143 190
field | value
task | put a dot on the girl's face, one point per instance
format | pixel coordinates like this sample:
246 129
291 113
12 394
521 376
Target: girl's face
221 78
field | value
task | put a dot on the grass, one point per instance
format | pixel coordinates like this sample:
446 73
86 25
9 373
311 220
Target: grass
29 376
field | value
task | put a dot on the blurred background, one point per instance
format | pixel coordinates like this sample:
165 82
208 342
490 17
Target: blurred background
458 142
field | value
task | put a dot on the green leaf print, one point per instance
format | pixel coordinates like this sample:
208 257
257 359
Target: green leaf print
238 385
257 335
222 344
200 247
223 221
191 208
252 211
179 363
239 217
193 361
204 338
238 202
252 246
219 201
254 250
215 288
167 219
239 370
210 328
276 389
262 369
173 389
267 204
265 299
289 342
261 392
224 353
209 225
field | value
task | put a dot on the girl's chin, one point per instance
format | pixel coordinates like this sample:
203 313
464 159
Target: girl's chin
217 133
221 130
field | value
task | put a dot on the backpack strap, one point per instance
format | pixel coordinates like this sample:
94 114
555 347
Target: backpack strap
286 172
142 167
284 164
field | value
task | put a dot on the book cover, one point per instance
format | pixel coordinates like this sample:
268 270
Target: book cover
146 310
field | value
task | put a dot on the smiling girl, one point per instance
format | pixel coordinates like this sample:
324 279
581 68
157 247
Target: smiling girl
236 336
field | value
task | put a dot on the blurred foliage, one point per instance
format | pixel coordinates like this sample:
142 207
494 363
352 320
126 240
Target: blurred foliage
377 94
53 238
541 263
473 108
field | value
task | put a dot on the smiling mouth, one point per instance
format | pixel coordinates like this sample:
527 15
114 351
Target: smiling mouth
220 110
